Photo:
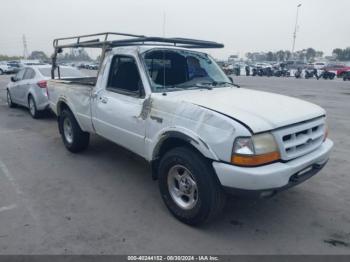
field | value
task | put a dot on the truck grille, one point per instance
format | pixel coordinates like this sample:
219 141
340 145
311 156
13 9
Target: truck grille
300 139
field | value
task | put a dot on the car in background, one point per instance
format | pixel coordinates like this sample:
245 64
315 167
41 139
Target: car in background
5 68
319 65
93 66
346 76
15 65
294 64
262 65
28 87
338 69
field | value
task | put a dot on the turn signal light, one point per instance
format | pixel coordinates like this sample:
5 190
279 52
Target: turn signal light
255 160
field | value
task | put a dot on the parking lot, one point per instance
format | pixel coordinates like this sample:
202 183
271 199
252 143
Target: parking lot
103 201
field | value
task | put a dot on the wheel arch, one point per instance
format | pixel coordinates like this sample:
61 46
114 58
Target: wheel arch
62 104
171 139
30 95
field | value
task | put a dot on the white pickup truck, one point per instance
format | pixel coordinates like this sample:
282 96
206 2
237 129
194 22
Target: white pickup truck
202 134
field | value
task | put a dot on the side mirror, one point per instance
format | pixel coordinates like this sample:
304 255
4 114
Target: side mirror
13 79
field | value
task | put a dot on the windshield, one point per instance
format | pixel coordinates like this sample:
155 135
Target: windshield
65 72
172 70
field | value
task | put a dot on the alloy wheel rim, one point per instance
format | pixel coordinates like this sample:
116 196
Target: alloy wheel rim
67 130
182 187
31 106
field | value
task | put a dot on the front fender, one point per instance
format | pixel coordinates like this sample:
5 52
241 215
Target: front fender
183 134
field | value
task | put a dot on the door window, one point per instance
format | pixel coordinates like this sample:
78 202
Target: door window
29 74
20 75
124 76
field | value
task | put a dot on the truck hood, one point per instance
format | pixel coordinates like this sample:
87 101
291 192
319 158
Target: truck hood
260 111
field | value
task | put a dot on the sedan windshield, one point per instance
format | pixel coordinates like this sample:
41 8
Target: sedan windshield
173 70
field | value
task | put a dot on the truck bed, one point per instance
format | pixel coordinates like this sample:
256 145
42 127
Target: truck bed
76 94
90 81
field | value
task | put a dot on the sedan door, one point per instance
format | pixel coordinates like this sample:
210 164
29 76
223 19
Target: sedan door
117 108
15 89
25 86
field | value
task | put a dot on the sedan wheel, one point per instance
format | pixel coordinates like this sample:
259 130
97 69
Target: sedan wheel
32 107
9 100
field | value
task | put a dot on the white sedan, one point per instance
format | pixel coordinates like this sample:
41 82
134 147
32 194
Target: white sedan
29 87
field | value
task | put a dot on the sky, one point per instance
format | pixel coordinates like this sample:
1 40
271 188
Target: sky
242 25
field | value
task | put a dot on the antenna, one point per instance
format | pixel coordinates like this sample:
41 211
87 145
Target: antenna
164 75
25 47
164 20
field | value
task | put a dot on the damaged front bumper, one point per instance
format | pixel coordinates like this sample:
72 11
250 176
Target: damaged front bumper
266 180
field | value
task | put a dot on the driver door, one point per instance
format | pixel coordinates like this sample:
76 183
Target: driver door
117 108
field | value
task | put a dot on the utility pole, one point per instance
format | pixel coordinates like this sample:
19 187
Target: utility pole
25 47
295 28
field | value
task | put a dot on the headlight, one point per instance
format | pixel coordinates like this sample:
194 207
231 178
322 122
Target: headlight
256 150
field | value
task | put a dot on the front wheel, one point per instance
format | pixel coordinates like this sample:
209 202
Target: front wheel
73 137
9 100
189 187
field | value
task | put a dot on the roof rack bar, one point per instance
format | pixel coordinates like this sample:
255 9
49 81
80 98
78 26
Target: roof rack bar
135 39
132 41
106 34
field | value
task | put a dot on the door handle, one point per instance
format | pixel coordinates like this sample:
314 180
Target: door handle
104 100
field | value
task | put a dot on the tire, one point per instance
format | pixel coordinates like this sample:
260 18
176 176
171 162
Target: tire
33 111
9 100
1 72
205 198
74 139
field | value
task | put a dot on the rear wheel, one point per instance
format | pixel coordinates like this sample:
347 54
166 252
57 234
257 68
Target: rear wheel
189 187
73 137
32 107
9 100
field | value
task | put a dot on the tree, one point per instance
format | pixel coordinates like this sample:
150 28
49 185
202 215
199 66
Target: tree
310 53
319 54
288 55
280 55
342 54
337 52
270 56
74 55
38 55
9 58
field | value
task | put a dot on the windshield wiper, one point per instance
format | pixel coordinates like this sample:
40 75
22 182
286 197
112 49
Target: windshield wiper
204 85
216 83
